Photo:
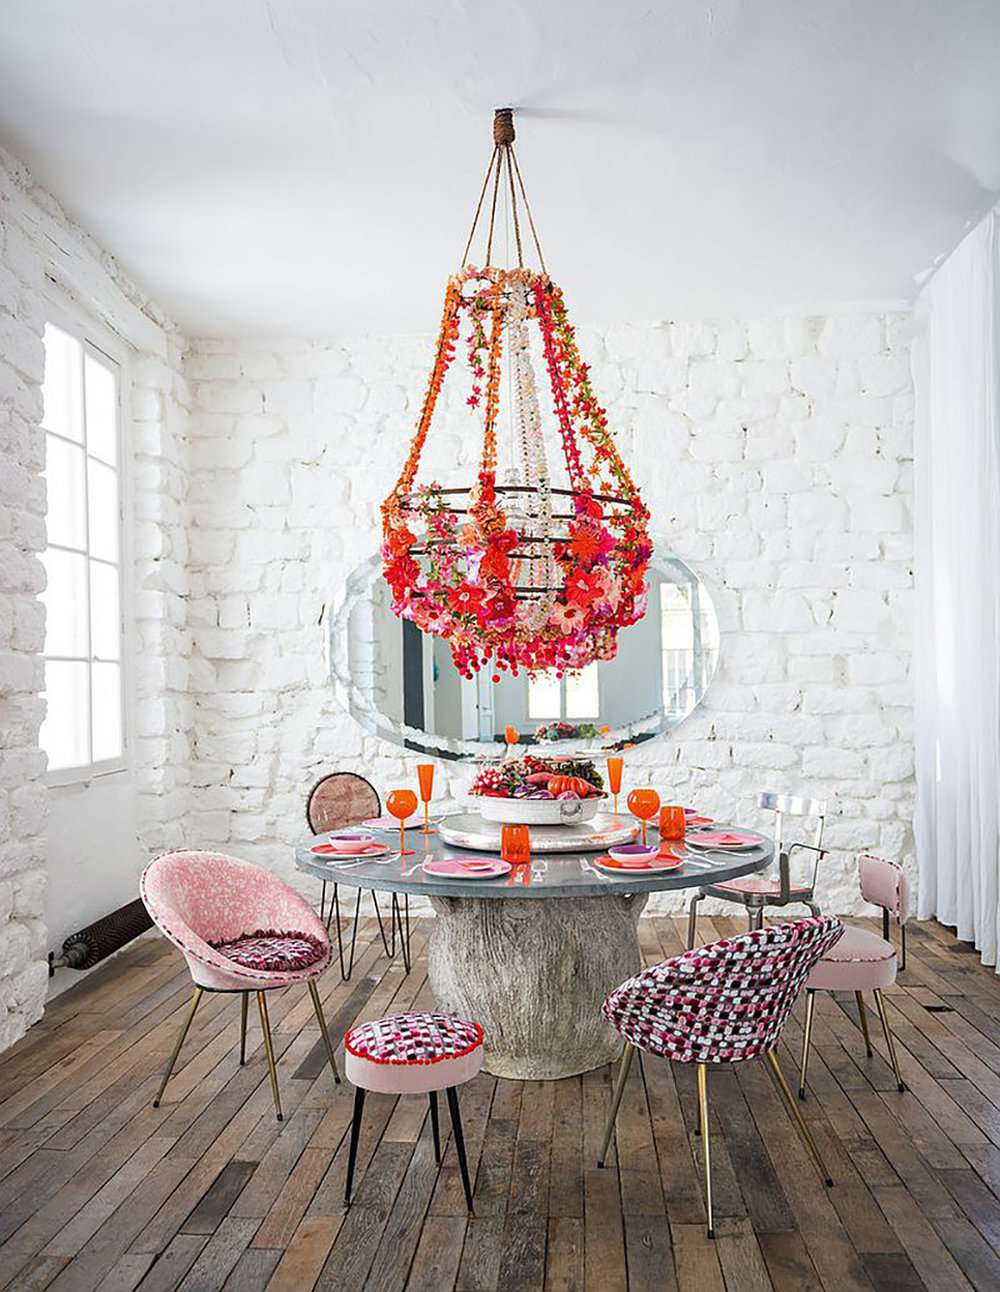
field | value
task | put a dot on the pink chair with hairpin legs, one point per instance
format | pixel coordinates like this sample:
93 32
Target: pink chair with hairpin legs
240 929
862 961
723 1003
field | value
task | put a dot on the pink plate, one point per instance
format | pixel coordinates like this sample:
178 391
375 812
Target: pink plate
657 866
725 839
467 868
414 822
363 850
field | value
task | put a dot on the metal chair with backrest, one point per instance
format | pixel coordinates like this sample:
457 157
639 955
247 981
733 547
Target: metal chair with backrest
336 801
756 892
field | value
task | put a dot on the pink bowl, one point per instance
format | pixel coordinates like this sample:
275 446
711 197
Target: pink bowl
632 854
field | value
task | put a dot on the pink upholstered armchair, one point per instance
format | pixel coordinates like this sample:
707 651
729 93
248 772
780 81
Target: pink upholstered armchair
240 929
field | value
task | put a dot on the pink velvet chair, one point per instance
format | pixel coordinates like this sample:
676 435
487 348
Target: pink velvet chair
240 929
722 1003
862 961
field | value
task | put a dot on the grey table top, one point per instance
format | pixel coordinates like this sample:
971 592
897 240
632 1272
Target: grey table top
551 875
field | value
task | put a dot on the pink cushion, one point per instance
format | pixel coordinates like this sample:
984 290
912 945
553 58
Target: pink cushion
267 949
413 1052
886 884
860 961
758 884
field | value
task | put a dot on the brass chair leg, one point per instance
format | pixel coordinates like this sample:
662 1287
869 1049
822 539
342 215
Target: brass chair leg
902 946
863 1015
803 1125
705 1141
265 1027
318 1007
244 1006
806 1042
616 1100
693 919
889 1043
198 993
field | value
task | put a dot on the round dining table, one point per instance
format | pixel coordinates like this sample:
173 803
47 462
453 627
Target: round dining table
532 955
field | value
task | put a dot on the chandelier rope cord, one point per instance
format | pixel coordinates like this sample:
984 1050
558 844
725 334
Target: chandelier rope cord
504 155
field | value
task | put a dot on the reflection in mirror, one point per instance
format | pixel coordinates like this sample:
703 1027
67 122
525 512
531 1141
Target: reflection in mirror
402 685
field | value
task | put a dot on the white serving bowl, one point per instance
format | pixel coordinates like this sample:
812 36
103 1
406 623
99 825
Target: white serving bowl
534 811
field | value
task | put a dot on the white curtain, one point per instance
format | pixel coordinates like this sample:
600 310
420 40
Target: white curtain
957 575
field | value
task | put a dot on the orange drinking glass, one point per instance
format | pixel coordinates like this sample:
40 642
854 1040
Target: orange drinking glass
643 804
402 804
615 765
425 775
511 734
515 844
671 822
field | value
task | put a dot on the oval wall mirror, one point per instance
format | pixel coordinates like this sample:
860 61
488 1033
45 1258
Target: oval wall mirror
402 685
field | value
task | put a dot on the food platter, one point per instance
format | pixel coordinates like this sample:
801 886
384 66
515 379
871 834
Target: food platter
470 830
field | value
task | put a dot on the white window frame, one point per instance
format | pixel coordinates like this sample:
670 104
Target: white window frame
97 339
561 716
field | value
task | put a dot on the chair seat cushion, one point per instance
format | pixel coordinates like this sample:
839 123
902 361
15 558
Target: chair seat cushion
270 950
860 961
407 1053
755 886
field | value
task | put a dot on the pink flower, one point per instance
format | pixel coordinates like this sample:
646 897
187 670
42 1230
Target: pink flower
567 618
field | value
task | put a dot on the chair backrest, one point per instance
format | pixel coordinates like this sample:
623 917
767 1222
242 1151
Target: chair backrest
885 883
806 809
341 799
724 1002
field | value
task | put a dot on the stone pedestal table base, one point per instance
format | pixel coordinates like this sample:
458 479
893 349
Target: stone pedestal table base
534 974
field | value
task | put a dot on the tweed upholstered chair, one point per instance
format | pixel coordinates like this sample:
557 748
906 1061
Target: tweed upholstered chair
862 961
241 930
723 1003
756 892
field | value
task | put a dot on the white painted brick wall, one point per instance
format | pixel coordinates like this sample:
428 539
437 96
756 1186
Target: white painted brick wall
775 456
38 245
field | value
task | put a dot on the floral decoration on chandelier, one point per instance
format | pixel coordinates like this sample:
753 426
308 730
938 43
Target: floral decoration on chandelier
526 574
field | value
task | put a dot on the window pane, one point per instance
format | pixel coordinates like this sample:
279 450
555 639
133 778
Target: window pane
65 599
62 389
107 711
543 696
101 393
103 508
105 625
66 489
583 693
64 730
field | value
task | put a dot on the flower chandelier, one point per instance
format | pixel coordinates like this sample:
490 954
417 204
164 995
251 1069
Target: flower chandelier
521 573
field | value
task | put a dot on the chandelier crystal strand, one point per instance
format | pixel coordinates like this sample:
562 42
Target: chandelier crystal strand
520 573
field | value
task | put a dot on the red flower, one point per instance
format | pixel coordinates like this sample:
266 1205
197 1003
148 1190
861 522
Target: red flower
465 599
583 544
582 589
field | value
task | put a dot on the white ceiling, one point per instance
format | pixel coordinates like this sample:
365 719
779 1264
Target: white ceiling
310 166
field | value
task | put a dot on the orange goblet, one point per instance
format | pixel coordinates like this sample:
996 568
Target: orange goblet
643 804
671 822
402 804
515 844
425 775
615 765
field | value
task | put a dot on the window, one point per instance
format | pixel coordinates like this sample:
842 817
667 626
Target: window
576 696
83 727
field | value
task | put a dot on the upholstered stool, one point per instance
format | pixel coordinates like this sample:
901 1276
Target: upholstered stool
413 1054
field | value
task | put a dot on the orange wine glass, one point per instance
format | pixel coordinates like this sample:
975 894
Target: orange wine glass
644 805
425 775
615 765
671 822
402 804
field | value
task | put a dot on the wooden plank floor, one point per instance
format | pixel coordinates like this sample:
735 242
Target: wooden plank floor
100 1190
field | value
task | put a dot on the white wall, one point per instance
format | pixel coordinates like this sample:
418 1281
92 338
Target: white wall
776 458
99 836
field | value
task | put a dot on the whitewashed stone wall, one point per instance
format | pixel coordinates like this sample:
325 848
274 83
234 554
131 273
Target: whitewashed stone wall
40 249
776 458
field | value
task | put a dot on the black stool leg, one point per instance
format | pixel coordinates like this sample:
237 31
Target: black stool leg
352 1155
456 1126
435 1127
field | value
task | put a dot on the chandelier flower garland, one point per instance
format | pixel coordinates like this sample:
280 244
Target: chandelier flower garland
523 575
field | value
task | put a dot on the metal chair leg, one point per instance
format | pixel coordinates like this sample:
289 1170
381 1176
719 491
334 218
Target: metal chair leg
456 1126
198 993
321 1019
626 1063
244 1006
352 1153
902 946
435 1127
889 1043
793 1107
814 909
806 1042
705 1141
265 1027
693 918
863 1015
